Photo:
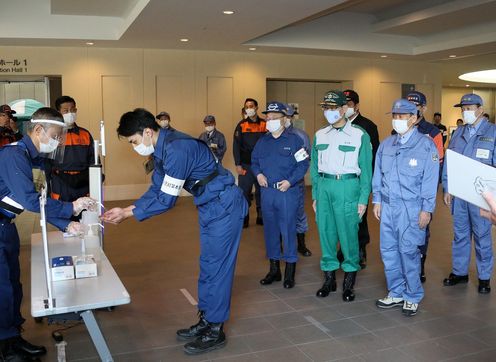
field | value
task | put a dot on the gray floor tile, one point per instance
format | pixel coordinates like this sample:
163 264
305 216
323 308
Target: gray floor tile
427 351
265 341
386 355
325 350
304 334
343 328
362 343
290 354
375 321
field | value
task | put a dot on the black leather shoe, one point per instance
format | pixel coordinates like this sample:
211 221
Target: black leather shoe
289 275
20 345
348 285
274 274
422 268
484 286
302 248
362 253
13 356
194 331
259 220
455 279
329 284
213 339
246 222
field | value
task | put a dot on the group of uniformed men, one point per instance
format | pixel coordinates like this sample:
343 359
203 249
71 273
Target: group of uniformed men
346 164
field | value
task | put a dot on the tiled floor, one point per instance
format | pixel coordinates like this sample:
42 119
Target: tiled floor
157 258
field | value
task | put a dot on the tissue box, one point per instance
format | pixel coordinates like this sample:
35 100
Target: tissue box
85 267
62 268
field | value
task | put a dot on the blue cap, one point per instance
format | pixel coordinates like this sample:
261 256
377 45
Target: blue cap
403 106
276 107
469 99
417 98
290 111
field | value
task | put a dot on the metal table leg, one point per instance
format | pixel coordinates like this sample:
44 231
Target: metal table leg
96 336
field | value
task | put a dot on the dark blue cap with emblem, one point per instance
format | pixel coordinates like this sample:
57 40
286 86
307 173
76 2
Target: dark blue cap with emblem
469 99
403 106
417 98
276 107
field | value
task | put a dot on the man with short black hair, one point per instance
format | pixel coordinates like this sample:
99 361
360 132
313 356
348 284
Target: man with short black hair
18 162
69 178
246 135
185 162
440 126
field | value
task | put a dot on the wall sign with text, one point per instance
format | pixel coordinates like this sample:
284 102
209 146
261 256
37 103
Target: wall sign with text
13 65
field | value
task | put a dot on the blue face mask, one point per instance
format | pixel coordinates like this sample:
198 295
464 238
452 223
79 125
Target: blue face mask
332 116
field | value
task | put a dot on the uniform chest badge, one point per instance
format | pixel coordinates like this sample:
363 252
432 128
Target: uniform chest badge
413 162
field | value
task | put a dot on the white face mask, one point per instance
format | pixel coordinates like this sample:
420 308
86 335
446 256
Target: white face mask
469 117
273 125
350 112
400 126
287 123
70 118
332 116
50 146
250 112
144 150
209 128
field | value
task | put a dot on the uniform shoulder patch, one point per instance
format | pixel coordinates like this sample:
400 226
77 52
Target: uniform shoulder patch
435 157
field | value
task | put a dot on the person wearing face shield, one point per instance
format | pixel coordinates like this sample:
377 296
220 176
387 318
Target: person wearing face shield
279 161
354 116
475 139
185 162
427 128
341 171
164 120
404 190
246 135
301 216
69 175
19 162
213 137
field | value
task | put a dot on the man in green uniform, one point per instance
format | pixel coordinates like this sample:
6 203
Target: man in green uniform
341 171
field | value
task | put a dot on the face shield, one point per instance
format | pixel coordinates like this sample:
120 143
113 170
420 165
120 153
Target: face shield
52 139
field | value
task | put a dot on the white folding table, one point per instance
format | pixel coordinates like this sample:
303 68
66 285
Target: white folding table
80 296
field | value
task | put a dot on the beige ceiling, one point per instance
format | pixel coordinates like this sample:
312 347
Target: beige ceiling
427 30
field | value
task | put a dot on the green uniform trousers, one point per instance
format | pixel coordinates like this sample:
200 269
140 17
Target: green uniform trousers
337 220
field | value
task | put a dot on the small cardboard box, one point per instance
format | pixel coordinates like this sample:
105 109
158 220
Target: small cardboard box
85 267
62 268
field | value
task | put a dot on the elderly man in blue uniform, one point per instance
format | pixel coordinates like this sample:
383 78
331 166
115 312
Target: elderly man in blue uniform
477 140
341 171
301 216
213 137
404 190
279 161
18 162
185 162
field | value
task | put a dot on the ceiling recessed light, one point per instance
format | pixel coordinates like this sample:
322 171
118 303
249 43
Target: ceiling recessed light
228 12
483 76
184 40
90 43
252 48
452 56
384 56
467 85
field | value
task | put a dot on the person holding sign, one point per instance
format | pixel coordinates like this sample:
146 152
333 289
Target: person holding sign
476 139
